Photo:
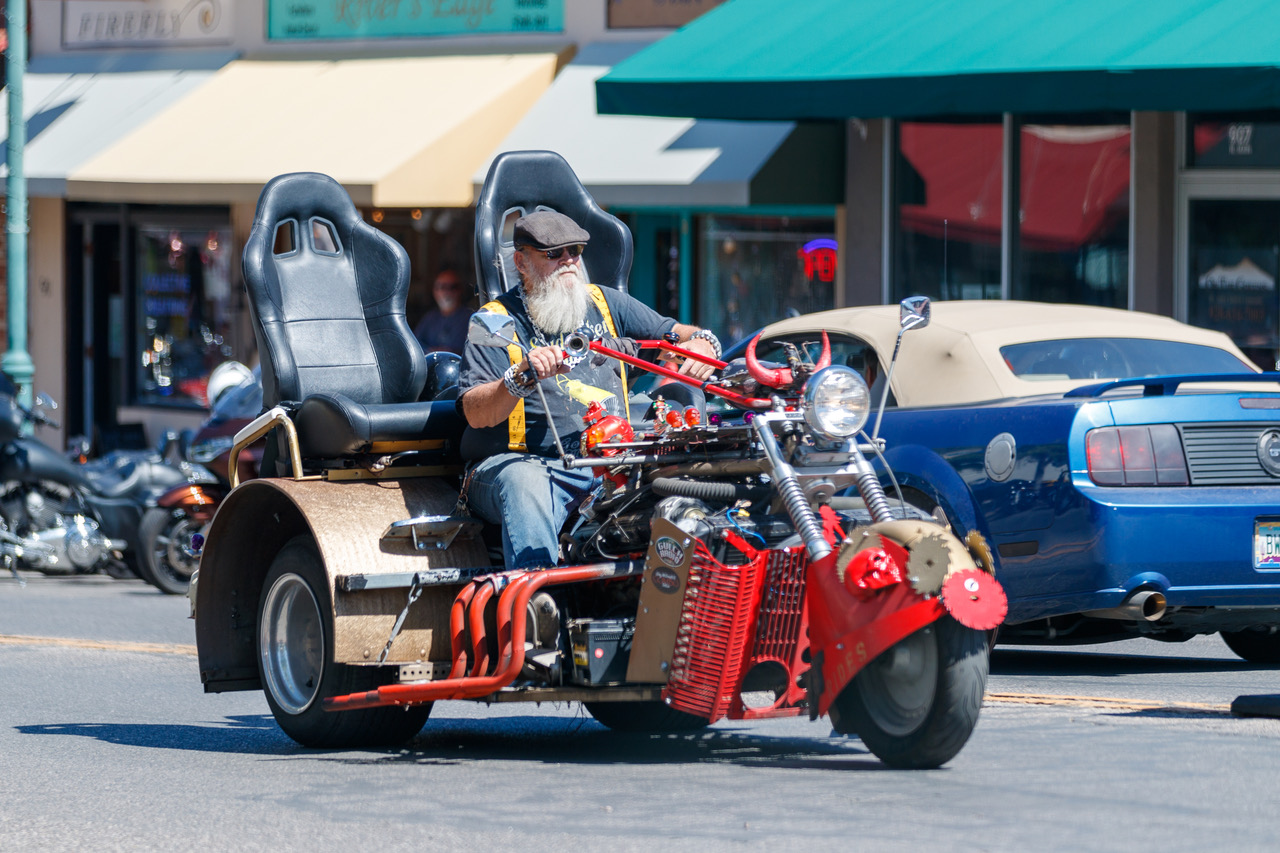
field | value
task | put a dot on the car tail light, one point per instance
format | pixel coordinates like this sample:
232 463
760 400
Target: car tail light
1136 456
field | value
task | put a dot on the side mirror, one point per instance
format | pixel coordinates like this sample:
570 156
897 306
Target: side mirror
492 330
913 313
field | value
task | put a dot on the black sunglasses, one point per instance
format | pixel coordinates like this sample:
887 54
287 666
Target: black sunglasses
556 254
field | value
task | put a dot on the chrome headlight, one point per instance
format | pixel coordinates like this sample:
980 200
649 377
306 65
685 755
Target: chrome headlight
836 402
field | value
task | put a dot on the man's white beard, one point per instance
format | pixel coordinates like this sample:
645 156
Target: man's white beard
557 303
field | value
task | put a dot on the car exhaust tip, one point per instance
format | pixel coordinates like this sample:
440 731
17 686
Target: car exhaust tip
1146 605
1150 604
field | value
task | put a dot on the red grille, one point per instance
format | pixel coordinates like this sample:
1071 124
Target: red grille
781 611
715 629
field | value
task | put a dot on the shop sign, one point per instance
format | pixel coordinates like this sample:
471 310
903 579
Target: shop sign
120 23
1236 295
630 14
819 257
361 19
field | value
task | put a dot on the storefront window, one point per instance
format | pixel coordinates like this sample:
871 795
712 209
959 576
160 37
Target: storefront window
435 239
1073 214
948 194
186 312
758 269
1234 258
1248 141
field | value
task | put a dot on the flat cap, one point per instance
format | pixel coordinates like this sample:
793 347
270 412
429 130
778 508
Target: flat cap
547 229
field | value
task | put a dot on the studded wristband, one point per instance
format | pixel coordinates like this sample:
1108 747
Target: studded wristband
515 382
710 337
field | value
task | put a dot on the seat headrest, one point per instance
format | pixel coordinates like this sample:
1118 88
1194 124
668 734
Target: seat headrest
303 195
522 182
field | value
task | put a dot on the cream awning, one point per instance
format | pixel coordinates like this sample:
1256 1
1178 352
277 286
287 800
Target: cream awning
634 161
400 132
76 106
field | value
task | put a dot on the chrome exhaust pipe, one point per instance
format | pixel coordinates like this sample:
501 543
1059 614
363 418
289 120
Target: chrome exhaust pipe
1147 605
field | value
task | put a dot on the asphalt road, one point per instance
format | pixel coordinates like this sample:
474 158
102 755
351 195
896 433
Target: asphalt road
108 743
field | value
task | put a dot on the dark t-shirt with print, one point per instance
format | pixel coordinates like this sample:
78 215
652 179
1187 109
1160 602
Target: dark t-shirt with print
568 395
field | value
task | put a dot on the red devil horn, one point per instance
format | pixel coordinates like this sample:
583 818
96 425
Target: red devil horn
778 377
824 360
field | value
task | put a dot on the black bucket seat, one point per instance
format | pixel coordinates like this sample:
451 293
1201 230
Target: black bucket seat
327 296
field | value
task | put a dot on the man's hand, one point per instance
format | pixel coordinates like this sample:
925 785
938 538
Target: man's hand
545 361
692 367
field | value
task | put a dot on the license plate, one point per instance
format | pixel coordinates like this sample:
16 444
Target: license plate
1266 544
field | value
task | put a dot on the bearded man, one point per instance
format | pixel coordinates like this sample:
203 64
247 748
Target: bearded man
515 478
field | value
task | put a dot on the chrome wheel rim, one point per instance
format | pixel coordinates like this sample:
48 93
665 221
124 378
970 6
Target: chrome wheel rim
899 686
291 643
171 555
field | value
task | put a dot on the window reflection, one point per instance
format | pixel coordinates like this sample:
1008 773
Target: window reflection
1073 229
1240 141
186 311
948 190
1233 261
758 269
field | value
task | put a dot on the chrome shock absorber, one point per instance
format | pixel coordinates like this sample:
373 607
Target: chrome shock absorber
872 491
788 485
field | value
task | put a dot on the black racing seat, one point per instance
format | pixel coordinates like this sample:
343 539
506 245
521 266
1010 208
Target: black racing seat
521 182
327 296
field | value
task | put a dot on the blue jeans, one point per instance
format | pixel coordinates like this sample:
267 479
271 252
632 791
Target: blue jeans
530 497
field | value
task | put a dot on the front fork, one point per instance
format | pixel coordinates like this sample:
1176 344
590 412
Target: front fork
787 482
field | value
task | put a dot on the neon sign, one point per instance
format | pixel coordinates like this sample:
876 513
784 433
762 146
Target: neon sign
819 258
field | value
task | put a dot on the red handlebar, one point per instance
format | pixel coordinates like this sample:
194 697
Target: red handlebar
731 396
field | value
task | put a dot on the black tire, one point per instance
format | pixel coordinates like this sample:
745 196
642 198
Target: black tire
916 705
295 661
1256 645
164 562
644 717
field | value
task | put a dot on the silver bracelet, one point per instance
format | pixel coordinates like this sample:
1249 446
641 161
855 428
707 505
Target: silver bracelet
514 380
710 337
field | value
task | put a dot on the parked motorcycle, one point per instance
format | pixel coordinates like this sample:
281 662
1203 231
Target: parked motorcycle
61 518
168 556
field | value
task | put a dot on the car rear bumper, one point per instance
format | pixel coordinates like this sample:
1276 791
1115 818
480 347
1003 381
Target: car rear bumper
1196 545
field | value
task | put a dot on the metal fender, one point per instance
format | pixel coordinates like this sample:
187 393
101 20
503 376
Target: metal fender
922 469
346 521
851 623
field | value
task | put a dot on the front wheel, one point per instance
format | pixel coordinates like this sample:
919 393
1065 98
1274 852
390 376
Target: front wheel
164 537
296 665
1256 645
916 704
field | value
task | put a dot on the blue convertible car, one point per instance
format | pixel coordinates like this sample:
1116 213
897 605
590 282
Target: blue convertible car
1124 467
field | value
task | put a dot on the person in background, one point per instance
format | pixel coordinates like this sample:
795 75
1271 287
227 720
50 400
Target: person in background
445 326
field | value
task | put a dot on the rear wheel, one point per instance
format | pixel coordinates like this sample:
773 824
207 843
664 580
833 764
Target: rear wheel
643 717
295 661
917 703
165 541
1256 645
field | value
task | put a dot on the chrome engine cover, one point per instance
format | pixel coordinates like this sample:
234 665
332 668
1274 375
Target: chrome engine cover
76 546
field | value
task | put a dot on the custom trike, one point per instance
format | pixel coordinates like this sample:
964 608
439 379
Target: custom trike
739 561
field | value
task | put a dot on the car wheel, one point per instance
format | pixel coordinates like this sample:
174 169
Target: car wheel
916 704
644 717
1256 645
165 536
296 665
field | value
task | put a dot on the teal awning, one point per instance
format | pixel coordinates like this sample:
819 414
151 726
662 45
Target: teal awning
761 59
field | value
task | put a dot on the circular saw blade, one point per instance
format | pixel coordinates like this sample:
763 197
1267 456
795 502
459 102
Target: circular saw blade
975 599
927 563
